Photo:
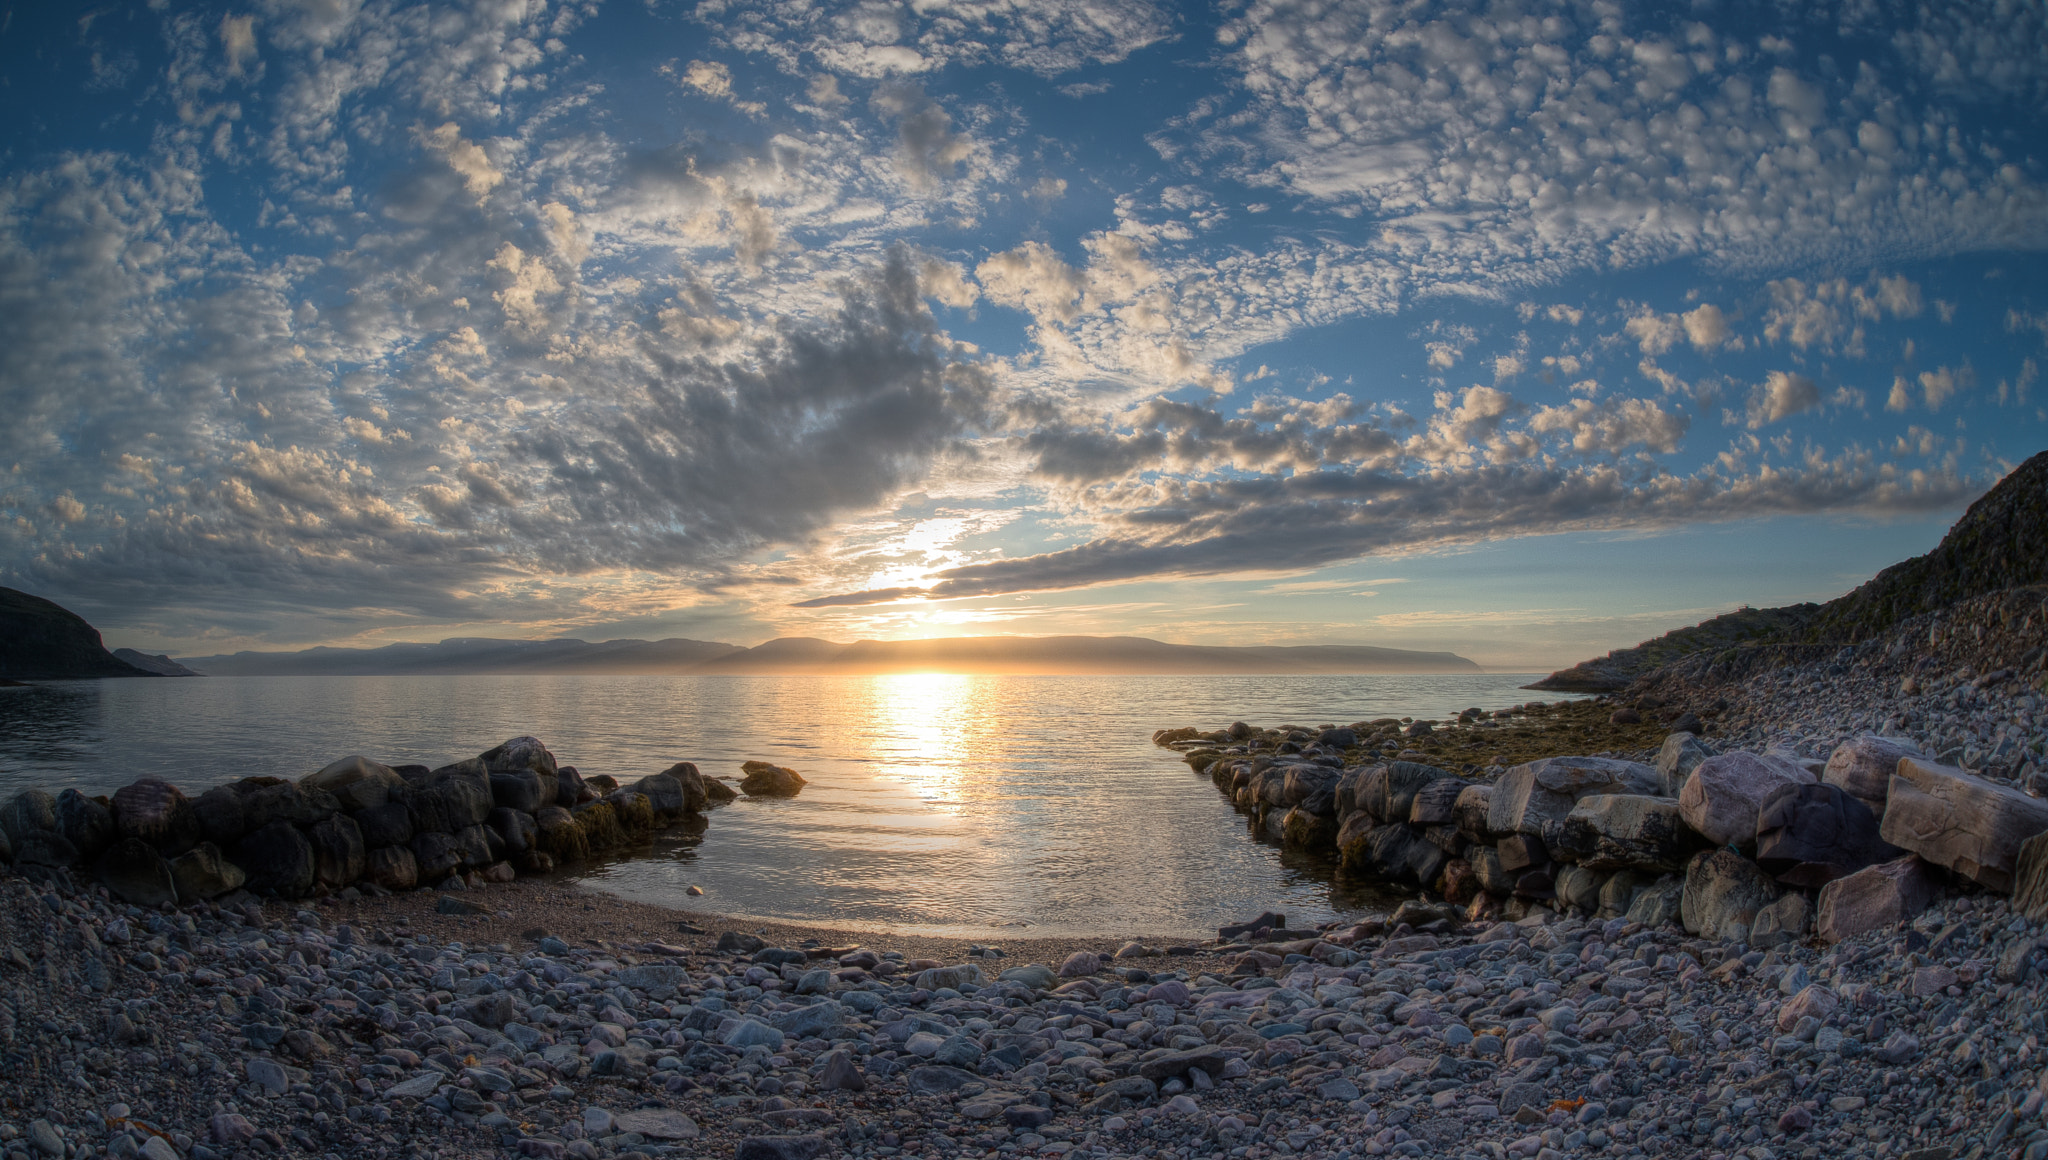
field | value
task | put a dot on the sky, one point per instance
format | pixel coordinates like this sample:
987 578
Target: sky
1523 329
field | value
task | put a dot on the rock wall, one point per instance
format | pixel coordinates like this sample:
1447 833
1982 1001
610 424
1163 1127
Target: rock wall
1744 846
354 824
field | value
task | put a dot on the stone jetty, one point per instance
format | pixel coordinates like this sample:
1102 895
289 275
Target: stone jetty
357 826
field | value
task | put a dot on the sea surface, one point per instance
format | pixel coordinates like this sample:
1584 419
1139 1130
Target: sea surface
979 806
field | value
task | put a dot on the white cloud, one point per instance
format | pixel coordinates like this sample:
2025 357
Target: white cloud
1780 396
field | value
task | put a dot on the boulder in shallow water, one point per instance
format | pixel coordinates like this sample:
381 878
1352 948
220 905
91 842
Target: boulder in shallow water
519 789
87 823
526 754
133 870
634 811
600 823
357 783
156 812
716 792
338 851
203 872
392 867
667 796
278 860
561 836
766 780
570 791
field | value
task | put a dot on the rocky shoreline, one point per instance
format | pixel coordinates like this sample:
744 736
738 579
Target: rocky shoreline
1700 950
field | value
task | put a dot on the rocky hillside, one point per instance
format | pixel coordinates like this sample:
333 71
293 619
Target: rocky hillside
159 663
41 641
2000 543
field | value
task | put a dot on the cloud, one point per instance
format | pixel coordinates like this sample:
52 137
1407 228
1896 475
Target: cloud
1780 396
466 158
929 151
862 39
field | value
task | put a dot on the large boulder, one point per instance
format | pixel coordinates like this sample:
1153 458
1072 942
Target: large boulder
1535 797
1810 835
338 851
1723 892
1657 904
1612 831
1388 791
1436 804
1679 756
356 783
203 872
1308 831
435 855
2030 879
634 811
222 818
527 754
689 781
517 830
765 780
387 825
133 869
87 823
28 812
561 837
278 860
44 848
1352 840
1578 887
665 796
520 789
600 822
1724 793
267 800
424 809
1953 819
1863 766
478 846
1397 852
1873 898
1312 785
465 796
570 791
156 812
392 867
1470 812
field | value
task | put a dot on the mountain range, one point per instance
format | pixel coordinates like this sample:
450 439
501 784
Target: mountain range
809 655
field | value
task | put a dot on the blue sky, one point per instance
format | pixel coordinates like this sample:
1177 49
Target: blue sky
1524 329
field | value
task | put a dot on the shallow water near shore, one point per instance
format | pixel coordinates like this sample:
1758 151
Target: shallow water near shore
977 806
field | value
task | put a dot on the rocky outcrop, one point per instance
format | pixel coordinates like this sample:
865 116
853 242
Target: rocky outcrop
766 780
161 665
43 641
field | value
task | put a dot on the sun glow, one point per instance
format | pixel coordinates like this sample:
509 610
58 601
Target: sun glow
924 730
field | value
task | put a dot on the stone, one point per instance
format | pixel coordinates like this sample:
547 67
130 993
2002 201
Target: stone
658 1124
132 869
86 823
752 1032
519 790
666 797
338 855
1873 898
936 1079
2030 879
1863 767
1208 1058
44 848
1783 921
1080 964
230 1128
1810 835
44 1136
780 1148
1680 754
28 812
766 780
478 846
658 980
1387 792
277 859
1723 890
435 855
1658 904
449 904
203 872
1518 852
158 813
838 1073
1535 797
1724 794
272 799
464 796
1612 831
267 1074
1308 831
1813 1000
600 824
389 824
221 816
392 867
356 783
1469 814
560 836
1578 887
634 812
1952 819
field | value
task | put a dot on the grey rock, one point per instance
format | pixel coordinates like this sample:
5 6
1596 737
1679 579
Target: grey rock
938 1078
267 1074
85 823
132 869
1952 819
1724 794
1679 756
1612 831
1723 889
28 812
355 783
203 872
780 1148
1535 798
837 1072
338 853
44 1136
1863 767
1810 835
277 859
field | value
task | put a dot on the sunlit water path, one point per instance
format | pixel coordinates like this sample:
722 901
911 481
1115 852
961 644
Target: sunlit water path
976 805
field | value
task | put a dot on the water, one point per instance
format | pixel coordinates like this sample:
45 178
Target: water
967 805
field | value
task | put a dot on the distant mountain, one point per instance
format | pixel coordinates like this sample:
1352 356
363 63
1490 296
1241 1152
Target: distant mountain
796 655
1072 654
470 655
159 664
42 641
2000 543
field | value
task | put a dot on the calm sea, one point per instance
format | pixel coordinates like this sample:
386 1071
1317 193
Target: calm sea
969 805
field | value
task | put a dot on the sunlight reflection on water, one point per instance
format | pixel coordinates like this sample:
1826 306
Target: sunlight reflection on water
963 804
